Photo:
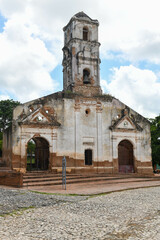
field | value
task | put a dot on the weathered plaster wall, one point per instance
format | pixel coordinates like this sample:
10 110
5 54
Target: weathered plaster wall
84 124
7 147
80 54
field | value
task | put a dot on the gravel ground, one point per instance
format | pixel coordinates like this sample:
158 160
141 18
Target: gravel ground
132 214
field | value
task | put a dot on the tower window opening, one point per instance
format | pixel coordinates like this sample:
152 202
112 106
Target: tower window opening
85 34
86 79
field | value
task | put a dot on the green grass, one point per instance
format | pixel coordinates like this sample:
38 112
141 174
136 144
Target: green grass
17 212
93 195
31 161
63 194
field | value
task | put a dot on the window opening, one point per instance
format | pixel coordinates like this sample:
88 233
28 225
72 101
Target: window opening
86 79
88 157
85 34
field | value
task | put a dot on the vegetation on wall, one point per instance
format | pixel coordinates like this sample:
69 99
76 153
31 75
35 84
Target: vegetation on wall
155 140
105 97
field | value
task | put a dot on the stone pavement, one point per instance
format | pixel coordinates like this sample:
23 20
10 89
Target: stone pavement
91 188
130 215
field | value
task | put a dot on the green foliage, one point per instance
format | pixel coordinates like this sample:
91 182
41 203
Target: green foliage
6 112
31 146
1 139
155 140
31 154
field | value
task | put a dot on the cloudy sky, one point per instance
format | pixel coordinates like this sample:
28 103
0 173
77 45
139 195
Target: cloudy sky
31 41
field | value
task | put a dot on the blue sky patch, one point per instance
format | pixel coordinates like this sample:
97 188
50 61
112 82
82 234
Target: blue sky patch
107 65
57 75
2 22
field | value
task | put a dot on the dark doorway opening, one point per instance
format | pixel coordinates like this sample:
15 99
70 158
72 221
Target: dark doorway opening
125 157
37 154
88 157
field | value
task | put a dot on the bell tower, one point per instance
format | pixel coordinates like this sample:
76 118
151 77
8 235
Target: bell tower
81 72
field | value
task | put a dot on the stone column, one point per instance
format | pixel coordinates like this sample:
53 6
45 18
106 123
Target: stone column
77 146
115 154
99 133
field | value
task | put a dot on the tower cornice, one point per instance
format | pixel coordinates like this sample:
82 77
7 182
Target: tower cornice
81 40
82 17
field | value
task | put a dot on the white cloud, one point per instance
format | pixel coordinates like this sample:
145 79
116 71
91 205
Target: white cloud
139 89
4 97
25 62
125 26
32 40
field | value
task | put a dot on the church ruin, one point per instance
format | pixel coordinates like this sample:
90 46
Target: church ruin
96 132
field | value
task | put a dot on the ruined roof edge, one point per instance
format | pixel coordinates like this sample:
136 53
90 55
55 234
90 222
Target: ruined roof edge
80 17
62 94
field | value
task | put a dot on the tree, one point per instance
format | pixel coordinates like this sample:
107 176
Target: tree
6 112
6 115
155 140
1 139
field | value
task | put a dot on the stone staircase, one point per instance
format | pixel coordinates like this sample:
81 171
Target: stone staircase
44 178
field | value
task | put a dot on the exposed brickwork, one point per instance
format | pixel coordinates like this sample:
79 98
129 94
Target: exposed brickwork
87 90
11 179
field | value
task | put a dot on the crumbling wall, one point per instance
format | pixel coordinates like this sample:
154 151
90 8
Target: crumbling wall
7 147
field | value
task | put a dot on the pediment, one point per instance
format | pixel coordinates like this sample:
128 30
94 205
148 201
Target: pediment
125 124
40 117
36 116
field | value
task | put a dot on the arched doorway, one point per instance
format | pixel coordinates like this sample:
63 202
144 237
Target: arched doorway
88 157
37 154
125 157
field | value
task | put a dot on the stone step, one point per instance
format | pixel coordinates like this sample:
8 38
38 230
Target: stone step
44 176
83 180
49 175
55 178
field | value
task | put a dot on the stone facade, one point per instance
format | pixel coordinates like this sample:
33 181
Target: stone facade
81 56
95 132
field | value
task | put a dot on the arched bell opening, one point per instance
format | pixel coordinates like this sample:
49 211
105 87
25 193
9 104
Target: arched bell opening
85 34
37 154
125 157
86 76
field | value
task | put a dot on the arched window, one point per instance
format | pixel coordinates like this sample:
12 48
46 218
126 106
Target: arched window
86 79
88 157
85 33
